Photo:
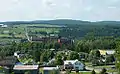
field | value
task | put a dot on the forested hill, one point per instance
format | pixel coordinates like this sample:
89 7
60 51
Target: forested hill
63 22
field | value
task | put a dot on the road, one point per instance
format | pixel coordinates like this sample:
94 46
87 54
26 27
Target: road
98 70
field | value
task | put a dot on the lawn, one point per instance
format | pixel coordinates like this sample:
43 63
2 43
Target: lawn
21 28
105 66
112 70
5 35
48 30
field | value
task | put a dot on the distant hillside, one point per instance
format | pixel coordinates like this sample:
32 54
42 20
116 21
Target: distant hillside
53 22
107 23
65 22
62 22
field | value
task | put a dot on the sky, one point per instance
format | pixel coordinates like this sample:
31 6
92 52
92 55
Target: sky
90 10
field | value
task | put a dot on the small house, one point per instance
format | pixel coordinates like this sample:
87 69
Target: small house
106 52
7 63
74 65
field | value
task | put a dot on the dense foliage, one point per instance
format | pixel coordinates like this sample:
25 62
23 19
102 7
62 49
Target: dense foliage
87 37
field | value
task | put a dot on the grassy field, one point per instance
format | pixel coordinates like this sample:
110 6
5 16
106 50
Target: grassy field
45 25
112 70
51 30
5 35
22 28
19 31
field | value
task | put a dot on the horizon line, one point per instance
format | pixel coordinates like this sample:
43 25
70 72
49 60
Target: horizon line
56 19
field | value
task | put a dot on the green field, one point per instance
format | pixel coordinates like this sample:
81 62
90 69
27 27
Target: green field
23 27
19 31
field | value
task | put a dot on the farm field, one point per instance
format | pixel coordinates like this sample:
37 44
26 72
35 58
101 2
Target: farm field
33 29
17 32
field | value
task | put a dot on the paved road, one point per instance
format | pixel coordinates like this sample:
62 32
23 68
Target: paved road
98 70
90 68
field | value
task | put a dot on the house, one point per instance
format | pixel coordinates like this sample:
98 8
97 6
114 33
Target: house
74 65
7 63
18 54
53 35
106 52
51 70
21 69
65 40
39 39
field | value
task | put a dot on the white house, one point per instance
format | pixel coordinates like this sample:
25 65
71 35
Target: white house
74 64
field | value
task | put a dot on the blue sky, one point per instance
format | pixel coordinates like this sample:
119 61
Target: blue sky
92 10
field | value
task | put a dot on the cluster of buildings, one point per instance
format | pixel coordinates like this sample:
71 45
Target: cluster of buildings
61 40
11 64
35 69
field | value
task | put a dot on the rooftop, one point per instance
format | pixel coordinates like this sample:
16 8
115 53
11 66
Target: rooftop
70 61
25 67
104 52
7 61
50 68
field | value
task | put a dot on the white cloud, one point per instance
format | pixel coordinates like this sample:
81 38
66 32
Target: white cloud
88 8
112 7
51 9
